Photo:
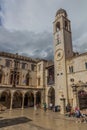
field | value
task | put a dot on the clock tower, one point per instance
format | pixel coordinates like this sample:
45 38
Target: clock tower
62 51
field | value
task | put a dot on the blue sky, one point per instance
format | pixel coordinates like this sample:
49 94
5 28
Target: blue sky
27 26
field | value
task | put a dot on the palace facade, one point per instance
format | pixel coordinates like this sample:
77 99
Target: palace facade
25 82
22 80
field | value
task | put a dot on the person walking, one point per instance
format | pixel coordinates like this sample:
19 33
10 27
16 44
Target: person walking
45 106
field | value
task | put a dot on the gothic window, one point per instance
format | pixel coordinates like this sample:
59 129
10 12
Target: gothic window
32 67
14 77
17 79
11 78
71 69
23 65
27 78
7 63
39 81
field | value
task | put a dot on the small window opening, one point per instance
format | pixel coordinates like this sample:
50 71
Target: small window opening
58 26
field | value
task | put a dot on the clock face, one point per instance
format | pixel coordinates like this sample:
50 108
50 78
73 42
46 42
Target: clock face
59 54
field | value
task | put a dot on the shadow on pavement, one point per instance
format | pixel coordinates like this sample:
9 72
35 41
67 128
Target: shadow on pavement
13 121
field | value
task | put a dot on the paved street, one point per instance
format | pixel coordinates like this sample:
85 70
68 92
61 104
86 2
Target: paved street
29 119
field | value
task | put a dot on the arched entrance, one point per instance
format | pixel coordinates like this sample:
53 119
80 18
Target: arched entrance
29 99
38 98
17 99
26 100
51 96
5 98
82 98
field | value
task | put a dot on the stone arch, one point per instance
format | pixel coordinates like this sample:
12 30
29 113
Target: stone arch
38 97
5 98
51 96
17 99
58 26
29 99
82 99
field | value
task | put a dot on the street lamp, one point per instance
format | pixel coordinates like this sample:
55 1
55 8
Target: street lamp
74 87
75 98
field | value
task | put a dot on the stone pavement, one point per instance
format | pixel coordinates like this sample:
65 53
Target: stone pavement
29 119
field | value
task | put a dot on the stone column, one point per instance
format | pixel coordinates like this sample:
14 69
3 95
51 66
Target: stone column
23 101
63 107
11 103
43 100
0 105
34 98
0 94
75 100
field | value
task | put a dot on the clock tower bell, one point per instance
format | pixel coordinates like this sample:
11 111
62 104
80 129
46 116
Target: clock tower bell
62 51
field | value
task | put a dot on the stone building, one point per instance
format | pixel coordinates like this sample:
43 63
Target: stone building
70 67
25 82
22 81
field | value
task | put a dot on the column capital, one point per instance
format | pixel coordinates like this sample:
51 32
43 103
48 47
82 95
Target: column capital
35 92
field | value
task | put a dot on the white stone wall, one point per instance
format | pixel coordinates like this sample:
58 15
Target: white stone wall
79 72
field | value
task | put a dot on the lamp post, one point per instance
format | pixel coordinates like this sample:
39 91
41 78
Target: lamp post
74 88
62 101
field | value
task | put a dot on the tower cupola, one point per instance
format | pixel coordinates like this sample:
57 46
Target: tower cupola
61 12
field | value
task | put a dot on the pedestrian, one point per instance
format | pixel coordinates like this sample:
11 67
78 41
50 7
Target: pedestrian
68 107
78 116
51 106
45 106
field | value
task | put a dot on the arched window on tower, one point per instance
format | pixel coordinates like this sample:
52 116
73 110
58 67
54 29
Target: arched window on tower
58 34
66 25
58 26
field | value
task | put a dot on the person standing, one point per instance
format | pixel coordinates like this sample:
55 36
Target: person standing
78 115
51 106
45 106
